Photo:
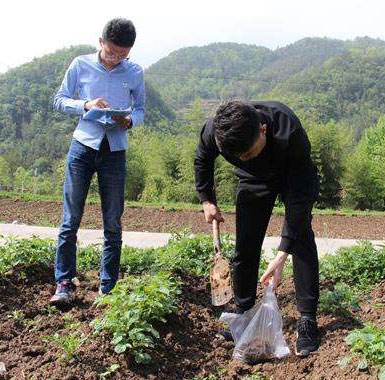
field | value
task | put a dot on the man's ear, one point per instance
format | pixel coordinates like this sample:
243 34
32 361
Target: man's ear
100 40
263 128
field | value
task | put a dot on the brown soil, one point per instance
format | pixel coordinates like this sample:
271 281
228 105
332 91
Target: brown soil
188 347
160 220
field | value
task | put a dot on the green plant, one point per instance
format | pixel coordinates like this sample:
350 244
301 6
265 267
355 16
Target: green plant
112 369
368 344
17 315
131 309
137 261
89 257
69 322
255 376
25 252
68 345
359 266
341 300
50 309
192 254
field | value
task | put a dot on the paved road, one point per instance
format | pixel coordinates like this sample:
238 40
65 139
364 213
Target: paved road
150 239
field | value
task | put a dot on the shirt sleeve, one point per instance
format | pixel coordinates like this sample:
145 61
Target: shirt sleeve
63 100
138 100
205 156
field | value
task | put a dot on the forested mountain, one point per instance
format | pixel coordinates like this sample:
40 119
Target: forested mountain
29 127
326 79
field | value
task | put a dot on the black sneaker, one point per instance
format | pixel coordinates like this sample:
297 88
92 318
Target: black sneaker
63 292
308 337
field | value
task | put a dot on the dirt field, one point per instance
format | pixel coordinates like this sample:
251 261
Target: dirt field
188 347
158 220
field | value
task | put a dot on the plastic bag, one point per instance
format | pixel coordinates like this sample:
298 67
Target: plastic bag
258 332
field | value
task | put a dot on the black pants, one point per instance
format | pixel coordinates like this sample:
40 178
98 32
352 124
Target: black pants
252 218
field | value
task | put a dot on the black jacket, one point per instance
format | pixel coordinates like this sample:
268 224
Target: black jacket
284 165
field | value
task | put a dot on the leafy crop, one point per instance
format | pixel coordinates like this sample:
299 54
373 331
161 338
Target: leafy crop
342 300
360 266
368 344
132 307
191 254
137 261
26 252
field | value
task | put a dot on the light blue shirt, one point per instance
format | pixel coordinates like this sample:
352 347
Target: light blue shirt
88 79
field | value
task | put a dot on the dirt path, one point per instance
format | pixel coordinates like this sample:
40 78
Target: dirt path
48 213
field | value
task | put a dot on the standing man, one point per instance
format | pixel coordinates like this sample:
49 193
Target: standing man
266 142
104 79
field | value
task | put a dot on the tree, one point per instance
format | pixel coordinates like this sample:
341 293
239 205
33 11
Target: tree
331 143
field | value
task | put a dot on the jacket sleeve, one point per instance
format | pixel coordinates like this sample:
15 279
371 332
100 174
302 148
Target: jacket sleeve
206 153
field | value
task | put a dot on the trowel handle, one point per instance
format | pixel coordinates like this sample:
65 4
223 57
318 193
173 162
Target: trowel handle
216 236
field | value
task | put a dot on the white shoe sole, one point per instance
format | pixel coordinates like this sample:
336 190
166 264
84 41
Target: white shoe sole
304 356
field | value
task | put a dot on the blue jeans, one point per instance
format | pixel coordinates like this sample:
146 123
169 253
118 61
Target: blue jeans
82 162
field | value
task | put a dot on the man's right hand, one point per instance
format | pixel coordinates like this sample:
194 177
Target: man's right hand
98 103
212 212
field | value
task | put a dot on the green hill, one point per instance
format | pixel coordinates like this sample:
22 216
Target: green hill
324 78
28 123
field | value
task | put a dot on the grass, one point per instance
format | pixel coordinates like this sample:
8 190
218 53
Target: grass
178 206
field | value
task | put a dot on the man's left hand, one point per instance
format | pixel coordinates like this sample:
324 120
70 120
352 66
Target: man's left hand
124 122
273 273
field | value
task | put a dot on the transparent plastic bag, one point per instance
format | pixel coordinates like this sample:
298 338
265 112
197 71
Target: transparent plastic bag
258 332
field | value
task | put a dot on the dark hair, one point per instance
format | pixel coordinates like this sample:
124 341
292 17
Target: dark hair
236 127
120 31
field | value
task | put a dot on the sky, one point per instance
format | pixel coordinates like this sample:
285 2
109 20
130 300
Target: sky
34 28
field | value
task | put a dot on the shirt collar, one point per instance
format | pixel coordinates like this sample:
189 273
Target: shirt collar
96 59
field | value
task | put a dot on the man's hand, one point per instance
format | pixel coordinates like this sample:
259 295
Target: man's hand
212 212
99 103
273 273
124 122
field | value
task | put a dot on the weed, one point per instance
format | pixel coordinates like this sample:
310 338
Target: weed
68 345
17 315
69 322
50 309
